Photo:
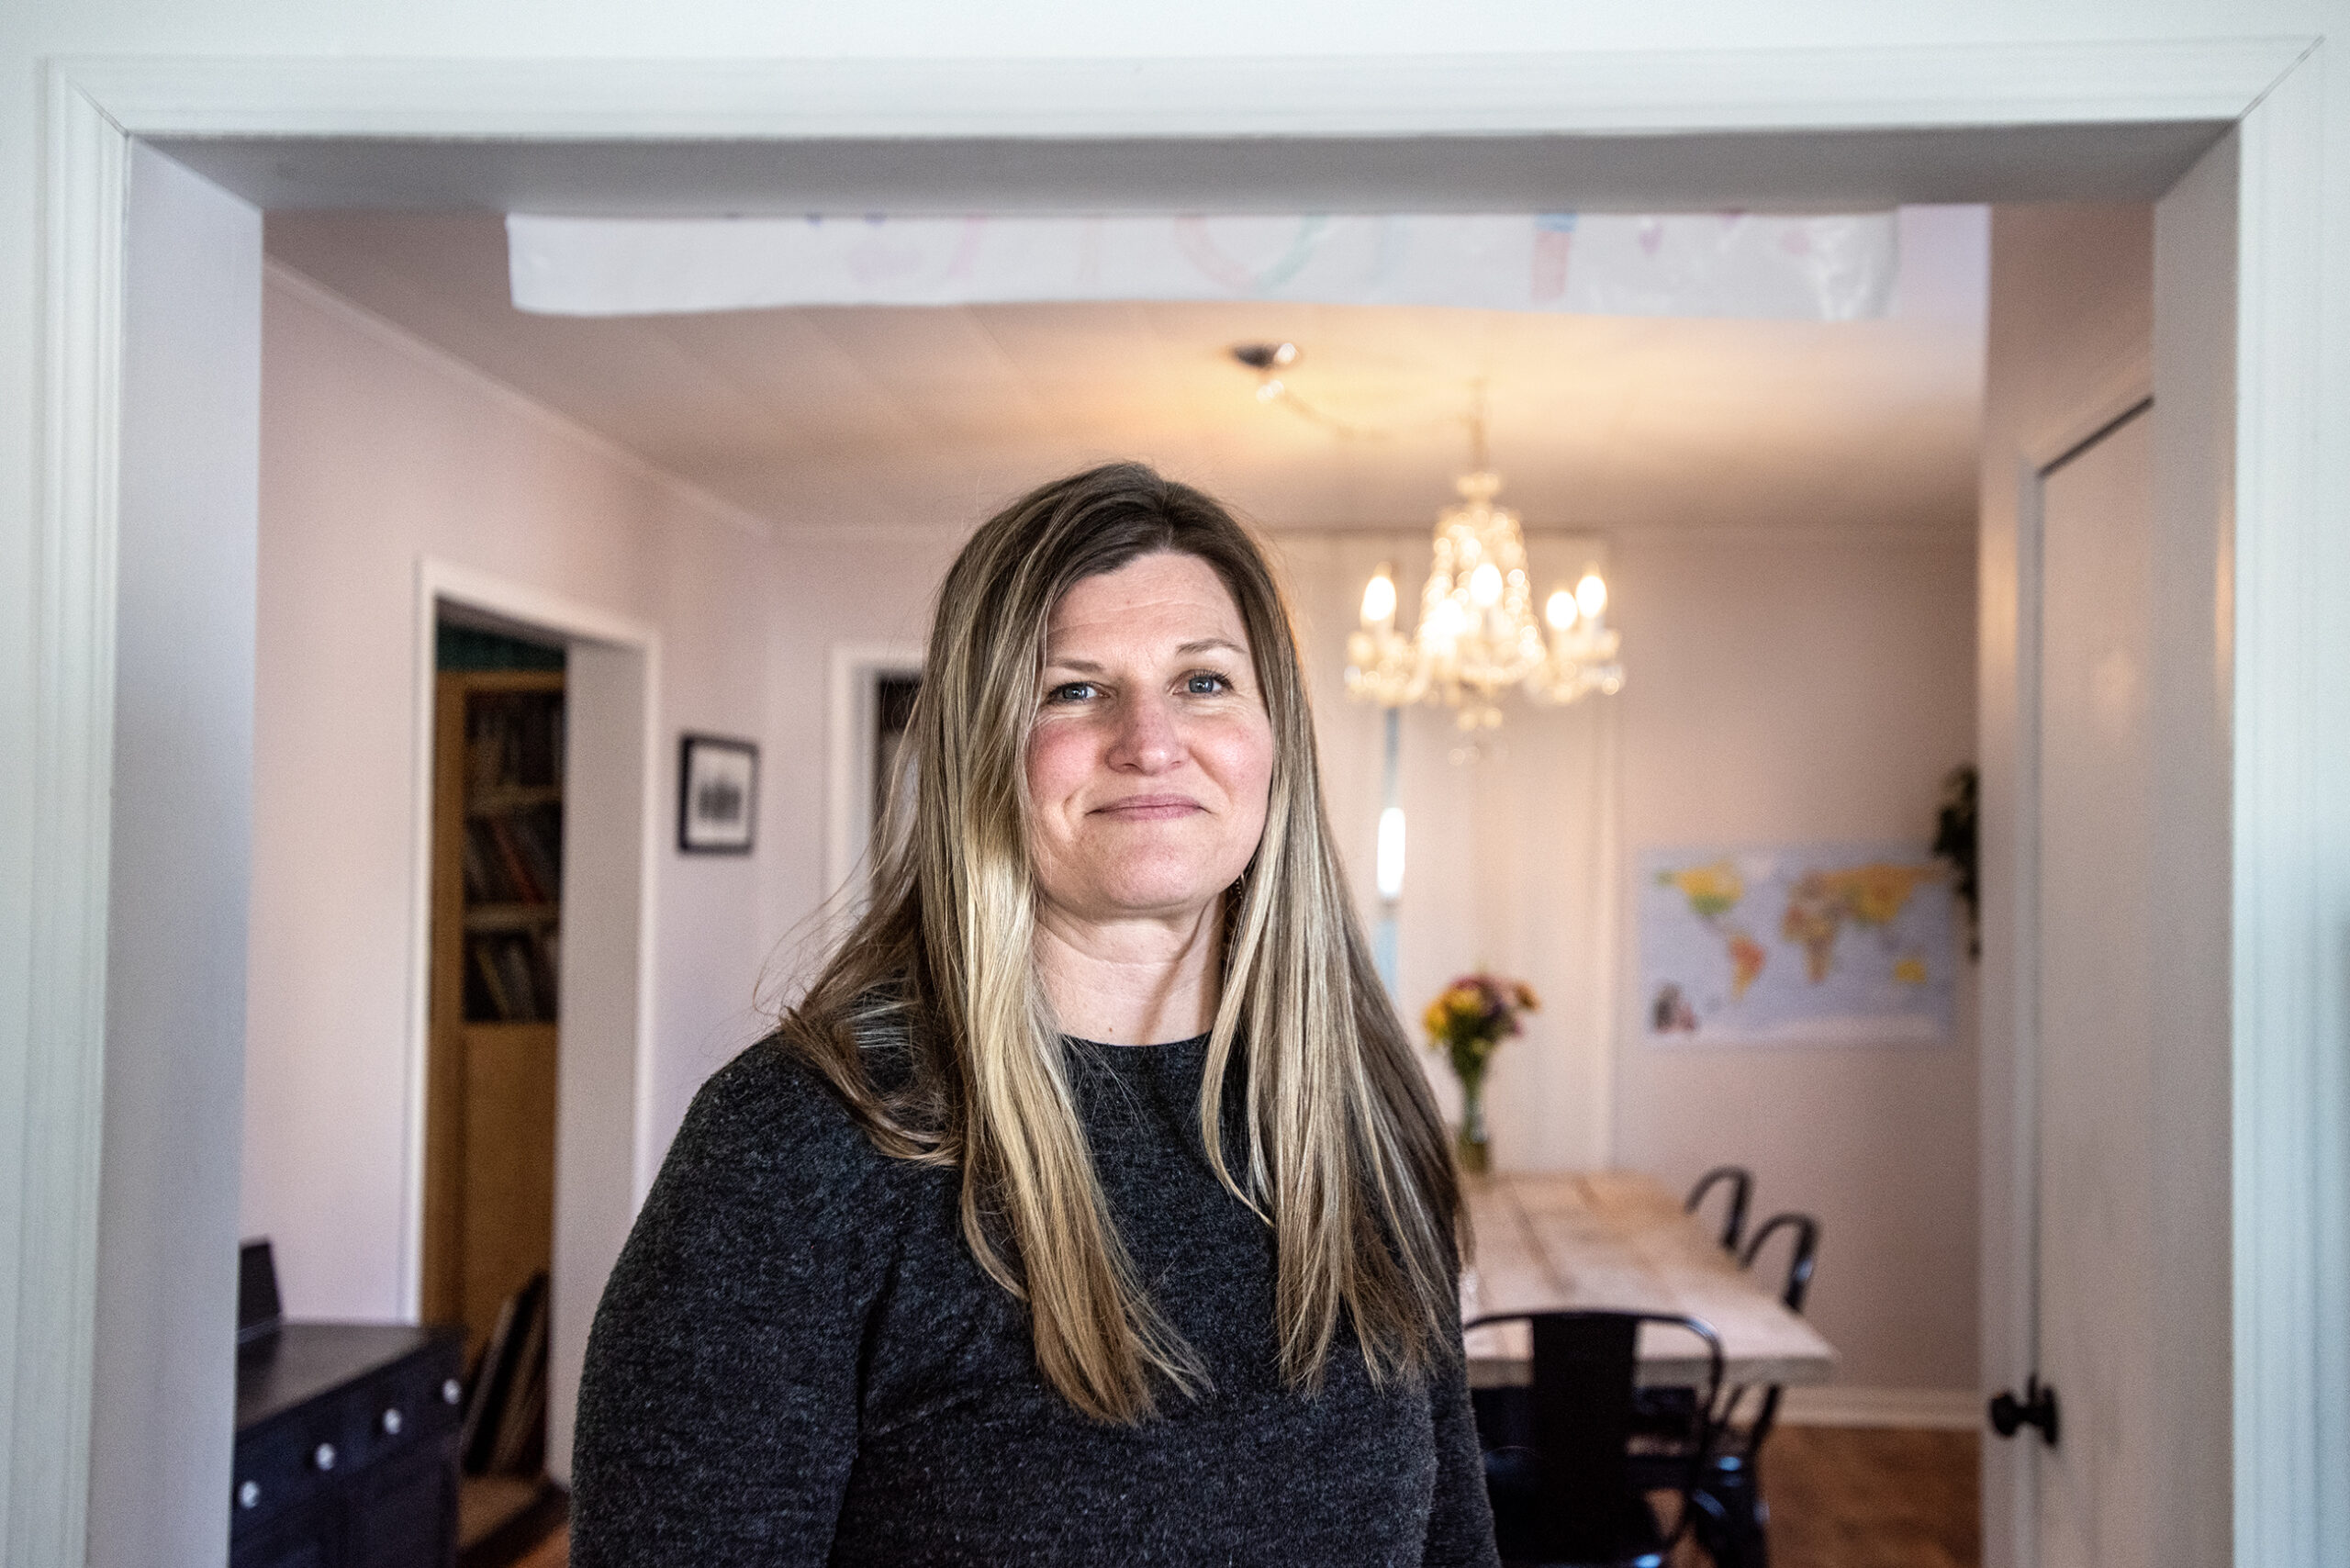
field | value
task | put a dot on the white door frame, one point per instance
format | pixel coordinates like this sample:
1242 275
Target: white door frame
2289 646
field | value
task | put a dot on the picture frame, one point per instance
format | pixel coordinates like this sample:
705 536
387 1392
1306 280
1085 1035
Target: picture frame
718 794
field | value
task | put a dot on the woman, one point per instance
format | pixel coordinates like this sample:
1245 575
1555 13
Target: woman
1091 1207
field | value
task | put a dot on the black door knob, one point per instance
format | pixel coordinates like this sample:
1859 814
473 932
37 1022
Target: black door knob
2036 1408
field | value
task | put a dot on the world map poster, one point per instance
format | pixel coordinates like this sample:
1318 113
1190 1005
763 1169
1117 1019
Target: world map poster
1817 943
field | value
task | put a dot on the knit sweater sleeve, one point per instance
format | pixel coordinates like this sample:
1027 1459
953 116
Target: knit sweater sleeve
719 1407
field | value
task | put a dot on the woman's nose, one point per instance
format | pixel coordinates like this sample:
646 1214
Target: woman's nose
1147 740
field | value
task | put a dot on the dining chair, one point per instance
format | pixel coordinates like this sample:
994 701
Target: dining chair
1665 1409
1559 1451
1741 1188
1730 1519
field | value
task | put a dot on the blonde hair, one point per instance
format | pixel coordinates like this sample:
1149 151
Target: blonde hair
929 1022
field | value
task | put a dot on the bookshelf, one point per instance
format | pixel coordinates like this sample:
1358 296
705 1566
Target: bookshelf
497 930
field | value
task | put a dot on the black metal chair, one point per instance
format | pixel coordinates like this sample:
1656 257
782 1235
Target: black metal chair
1731 1520
1559 1452
1741 1189
1665 1409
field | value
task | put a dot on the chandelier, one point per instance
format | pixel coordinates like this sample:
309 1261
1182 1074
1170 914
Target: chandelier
1478 635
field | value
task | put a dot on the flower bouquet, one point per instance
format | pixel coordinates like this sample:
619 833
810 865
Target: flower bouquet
1468 1021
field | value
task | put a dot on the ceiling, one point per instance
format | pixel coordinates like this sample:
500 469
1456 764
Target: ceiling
930 417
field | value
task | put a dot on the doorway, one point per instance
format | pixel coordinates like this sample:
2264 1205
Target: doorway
598 760
490 1078
2292 1108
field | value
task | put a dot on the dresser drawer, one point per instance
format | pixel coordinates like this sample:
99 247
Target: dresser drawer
285 1464
346 1448
401 1409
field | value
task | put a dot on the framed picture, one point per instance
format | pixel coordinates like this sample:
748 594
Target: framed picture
718 795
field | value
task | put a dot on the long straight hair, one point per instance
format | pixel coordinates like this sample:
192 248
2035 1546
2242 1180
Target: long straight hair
1343 1154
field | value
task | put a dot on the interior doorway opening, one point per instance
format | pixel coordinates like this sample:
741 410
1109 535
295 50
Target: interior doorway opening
2264 252
495 1043
552 772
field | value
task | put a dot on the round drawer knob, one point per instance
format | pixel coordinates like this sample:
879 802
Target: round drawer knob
323 1456
392 1423
450 1391
249 1495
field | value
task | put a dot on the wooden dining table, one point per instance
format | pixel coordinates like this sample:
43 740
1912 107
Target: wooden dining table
1619 1239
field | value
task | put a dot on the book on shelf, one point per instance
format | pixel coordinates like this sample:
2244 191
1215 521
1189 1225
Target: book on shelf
479 886
514 858
510 855
514 958
518 973
513 738
501 1005
537 837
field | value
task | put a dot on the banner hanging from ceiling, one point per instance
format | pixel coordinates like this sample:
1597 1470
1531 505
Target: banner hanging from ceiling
1834 268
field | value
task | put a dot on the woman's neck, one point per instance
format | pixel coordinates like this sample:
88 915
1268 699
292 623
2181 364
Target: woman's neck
1136 983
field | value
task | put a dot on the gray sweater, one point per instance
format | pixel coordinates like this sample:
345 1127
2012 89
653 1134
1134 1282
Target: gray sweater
798 1361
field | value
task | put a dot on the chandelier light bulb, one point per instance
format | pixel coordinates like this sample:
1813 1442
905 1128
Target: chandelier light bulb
1268 390
1379 600
1485 586
1559 609
1591 595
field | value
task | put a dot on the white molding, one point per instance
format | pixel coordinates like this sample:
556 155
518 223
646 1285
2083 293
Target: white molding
537 606
2289 889
277 274
1595 92
54 1270
438 580
1921 1409
2291 900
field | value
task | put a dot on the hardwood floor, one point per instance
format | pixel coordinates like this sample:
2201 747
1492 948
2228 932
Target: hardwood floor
1855 1497
1840 1497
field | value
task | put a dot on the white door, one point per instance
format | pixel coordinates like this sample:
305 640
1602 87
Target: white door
2096 1243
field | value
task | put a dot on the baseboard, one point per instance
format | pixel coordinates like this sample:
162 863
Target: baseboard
1941 1410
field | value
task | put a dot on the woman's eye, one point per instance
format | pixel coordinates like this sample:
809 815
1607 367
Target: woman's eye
1074 691
1206 683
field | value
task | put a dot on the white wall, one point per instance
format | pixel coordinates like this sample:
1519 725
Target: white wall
375 453
1785 691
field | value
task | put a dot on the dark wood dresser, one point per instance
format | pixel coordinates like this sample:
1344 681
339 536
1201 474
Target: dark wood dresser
346 1448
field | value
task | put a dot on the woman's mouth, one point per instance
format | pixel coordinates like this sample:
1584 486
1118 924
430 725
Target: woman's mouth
1148 808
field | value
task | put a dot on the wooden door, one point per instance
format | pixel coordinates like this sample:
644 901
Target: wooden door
2096 1247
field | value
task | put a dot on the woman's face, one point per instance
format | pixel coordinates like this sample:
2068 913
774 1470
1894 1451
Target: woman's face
1152 754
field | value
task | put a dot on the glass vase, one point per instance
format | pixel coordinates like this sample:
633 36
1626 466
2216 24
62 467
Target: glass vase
1469 1144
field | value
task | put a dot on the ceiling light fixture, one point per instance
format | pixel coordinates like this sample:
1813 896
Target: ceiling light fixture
1478 635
